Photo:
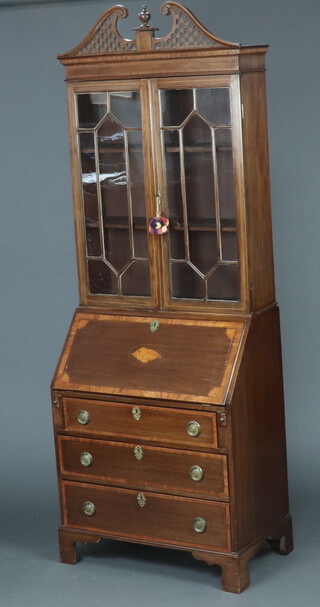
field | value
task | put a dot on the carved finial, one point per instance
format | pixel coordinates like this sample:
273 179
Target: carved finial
144 17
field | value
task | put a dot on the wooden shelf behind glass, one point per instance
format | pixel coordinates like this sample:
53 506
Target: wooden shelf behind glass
201 225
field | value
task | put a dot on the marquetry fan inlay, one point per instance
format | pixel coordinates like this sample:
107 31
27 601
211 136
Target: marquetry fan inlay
145 355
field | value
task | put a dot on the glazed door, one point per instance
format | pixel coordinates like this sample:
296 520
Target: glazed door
168 147
199 150
113 182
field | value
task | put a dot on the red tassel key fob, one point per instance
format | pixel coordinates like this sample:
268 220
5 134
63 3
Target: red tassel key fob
158 224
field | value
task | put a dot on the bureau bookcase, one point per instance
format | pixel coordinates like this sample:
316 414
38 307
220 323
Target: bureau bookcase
168 397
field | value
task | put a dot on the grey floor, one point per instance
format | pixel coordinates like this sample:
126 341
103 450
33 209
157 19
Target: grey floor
119 574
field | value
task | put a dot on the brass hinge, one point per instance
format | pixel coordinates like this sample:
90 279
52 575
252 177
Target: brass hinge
242 111
222 419
56 401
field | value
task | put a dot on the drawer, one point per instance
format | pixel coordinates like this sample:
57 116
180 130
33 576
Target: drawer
154 424
162 519
144 467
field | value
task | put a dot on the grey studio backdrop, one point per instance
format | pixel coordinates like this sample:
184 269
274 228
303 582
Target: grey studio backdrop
39 295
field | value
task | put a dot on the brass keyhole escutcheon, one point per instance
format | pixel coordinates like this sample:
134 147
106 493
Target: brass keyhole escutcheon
136 412
199 524
141 499
88 508
154 326
138 452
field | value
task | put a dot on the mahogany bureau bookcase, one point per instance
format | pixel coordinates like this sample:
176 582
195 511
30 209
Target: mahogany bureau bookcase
168 398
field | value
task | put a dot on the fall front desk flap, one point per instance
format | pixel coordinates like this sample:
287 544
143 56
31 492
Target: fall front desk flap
163 358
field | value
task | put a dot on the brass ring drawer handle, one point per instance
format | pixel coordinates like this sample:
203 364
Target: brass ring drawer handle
83 417
199 524
196 473
86 459
88 508
193 428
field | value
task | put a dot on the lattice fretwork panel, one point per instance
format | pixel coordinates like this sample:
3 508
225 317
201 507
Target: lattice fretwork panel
107 40
184 34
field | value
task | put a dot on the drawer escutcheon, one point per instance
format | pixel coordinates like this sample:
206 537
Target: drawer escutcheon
154 326
138 452
141 499
136 412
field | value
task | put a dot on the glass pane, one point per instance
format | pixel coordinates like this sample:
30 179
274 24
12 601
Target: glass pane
203 249
171 146
177 244
126 107
224 283
93 242
91 204
117 245
199 175
113 179
140 238
136 279
91 109
225 174
101 279
229 244
214 105
90 196
173 176
185 282
200 199
176 106
88 161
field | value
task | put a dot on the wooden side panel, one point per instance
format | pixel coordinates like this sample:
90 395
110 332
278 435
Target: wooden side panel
258 491
257 189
